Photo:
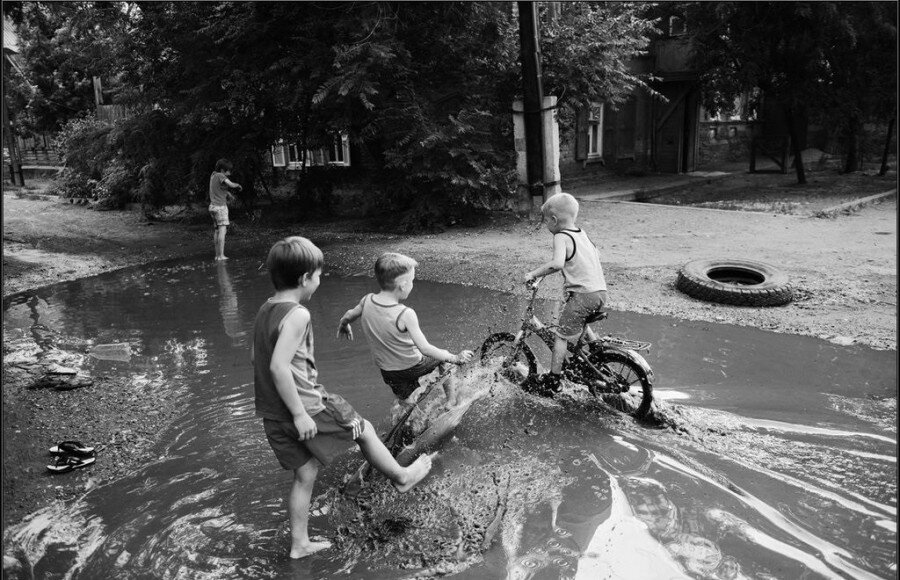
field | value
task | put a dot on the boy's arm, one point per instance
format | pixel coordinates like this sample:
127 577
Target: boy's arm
232 184
289 338
560 241
415 333
350 316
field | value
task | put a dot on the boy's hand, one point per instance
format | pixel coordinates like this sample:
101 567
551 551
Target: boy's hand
464 356
345 330
306 427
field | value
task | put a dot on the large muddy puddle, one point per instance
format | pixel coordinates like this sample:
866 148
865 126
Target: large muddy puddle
782 464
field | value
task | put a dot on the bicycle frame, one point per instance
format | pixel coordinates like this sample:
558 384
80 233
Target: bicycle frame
531 324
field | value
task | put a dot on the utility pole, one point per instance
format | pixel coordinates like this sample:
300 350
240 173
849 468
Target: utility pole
533 97
15 160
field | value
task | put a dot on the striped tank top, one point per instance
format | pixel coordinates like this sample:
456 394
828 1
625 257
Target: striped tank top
392 348
582 271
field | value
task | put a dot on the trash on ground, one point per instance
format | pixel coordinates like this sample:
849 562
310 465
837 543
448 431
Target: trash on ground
118 352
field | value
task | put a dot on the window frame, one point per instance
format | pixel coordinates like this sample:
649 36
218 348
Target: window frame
288 155
279 153
595 150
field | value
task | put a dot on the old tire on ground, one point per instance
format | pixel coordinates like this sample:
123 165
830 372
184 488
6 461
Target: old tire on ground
738 282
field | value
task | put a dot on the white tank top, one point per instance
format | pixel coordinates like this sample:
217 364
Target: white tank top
582 270
392 348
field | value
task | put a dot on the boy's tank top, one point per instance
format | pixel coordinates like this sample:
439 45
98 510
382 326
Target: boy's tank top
392 348
582 270
266 329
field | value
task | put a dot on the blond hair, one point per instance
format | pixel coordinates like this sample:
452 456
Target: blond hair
291 258
561 204
390 266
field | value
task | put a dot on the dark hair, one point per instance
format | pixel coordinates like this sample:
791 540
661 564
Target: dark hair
223 165
291 258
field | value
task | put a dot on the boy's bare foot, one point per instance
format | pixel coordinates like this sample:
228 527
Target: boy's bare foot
302 551
416 472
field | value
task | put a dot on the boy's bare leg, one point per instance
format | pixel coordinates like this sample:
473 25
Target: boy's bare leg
298 510
451 391
378 456
559 355
220 242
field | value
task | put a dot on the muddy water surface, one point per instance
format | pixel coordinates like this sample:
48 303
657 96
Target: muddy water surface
783 464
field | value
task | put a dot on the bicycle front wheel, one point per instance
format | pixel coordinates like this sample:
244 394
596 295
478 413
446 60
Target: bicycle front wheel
517 362
624 383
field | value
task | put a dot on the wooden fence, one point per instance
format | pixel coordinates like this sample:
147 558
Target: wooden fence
37 150
111 113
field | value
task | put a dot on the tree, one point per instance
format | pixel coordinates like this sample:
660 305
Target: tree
587 48
65 44
809 57
861 85
424 89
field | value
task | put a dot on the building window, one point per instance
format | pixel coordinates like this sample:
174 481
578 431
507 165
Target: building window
278 155
293 156
595 133
340 151
677 26
337 154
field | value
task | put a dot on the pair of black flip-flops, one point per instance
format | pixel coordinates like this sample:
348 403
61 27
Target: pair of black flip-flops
70 455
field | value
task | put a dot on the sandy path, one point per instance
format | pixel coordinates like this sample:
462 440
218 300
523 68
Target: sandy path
844 268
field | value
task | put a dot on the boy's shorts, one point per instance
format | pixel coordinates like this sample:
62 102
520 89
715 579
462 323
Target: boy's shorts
579 305
219 214
334 426
404 382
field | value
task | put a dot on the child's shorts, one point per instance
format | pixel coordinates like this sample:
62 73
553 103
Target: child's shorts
334 426
579 305
219 214
404 382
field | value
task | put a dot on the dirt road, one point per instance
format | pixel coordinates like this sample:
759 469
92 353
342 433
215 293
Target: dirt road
844 270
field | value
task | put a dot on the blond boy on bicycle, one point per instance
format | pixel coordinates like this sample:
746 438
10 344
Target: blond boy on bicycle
576 256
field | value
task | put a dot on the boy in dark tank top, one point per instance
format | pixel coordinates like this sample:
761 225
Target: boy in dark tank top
305 425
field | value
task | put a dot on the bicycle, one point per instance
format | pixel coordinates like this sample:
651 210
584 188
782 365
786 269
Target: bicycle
605 365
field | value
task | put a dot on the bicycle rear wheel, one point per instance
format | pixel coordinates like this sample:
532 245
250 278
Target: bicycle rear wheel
625 384
517 362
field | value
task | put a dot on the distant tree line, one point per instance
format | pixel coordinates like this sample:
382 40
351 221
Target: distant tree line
831 62
423 89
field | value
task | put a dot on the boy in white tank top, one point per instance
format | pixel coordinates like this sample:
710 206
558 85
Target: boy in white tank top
576 256
399 347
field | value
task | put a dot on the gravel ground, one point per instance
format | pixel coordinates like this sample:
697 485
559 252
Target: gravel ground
844 270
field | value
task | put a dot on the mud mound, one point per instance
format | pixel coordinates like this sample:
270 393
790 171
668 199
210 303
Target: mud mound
499 463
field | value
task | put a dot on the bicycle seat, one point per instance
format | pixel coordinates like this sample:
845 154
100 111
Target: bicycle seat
596 317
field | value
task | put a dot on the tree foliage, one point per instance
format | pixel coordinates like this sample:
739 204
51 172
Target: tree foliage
588 49
832 60
423 89
64 45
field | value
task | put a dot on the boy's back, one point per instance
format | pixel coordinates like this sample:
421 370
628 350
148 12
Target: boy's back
582 270
392 349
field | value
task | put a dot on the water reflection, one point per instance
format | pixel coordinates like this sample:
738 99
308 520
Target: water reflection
228 306
778 469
